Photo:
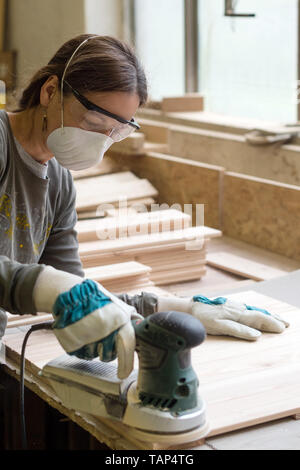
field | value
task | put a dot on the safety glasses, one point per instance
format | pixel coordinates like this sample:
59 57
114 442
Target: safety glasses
97 119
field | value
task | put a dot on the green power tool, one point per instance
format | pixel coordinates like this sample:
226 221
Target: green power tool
161 399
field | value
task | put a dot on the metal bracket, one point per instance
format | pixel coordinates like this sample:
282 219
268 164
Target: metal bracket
230 11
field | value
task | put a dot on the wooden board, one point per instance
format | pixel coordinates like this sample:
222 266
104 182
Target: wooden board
187 102
162 278
136 205
107 165
181 181
117 271
121 277
187 236
259 255
246 383
243 383
154 131
155 147
131 224
20 320
242 266
134 144
107 189
262 212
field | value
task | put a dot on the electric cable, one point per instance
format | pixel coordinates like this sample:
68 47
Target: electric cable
40 326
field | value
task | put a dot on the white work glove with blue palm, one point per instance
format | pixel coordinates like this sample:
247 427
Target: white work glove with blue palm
89 320
223 316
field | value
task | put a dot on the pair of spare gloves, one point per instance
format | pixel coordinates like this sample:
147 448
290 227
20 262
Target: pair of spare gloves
89 321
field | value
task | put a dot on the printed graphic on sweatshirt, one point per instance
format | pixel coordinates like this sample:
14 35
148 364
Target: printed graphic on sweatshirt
23 234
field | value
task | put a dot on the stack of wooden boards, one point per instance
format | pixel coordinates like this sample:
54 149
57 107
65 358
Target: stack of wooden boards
121 277
162 240
173 256
96 193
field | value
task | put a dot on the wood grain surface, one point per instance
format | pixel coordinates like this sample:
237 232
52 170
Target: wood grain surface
243 383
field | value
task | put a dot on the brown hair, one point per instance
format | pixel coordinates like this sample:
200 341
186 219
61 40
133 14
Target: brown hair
103 64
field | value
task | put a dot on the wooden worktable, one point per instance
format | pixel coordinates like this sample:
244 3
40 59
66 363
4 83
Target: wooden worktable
243 383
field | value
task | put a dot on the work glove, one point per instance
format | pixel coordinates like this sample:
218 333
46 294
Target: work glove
222 316
89 321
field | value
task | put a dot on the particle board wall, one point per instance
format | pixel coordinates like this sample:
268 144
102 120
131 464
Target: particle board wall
181 181
277 162
262 212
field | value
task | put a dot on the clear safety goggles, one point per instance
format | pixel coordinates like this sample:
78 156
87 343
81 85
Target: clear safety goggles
91 117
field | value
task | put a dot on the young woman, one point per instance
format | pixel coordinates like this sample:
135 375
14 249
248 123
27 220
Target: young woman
73 109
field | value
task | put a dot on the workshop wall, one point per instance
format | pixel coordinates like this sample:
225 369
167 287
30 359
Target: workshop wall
37 28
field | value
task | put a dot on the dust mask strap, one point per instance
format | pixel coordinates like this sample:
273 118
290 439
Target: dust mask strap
63 77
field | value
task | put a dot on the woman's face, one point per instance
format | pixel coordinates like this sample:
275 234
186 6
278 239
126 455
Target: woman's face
75 114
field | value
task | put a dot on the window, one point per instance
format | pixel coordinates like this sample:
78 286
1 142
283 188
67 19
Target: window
159 41
248 66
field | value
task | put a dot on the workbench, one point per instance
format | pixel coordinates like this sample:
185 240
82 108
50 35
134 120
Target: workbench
282 434
276 434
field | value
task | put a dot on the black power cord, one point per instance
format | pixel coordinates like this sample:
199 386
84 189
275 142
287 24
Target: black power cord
40 326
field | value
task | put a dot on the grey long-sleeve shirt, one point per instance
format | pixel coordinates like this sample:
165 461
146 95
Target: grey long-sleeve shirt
37 218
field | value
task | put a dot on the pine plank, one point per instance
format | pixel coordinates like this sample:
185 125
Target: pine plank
155 131
242 266
186 102
107 165
137 205
255 381
134 144
21 320
189 234
254 253
117 271
94 193
131 224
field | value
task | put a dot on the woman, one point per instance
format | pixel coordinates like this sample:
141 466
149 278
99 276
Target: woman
74 108
59 114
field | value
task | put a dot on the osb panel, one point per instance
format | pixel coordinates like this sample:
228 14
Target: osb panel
276 162
263 213
181 181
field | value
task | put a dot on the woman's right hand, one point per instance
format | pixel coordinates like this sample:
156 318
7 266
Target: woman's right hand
89 320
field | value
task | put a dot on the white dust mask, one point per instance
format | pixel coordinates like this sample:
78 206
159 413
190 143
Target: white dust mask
73 147
78 149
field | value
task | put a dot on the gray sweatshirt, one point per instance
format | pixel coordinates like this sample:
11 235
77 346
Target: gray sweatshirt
37 218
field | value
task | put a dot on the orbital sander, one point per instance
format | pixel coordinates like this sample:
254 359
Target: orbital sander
159 402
